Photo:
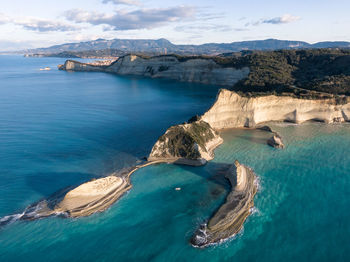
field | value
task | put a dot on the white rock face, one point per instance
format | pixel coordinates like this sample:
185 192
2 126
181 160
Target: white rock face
204 71
231 110
71 65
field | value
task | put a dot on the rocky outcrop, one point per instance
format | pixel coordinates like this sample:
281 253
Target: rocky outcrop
232 110
197 70
71 65
191 144
229 219
275 141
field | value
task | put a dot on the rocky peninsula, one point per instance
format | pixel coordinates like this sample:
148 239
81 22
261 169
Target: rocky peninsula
189 144
229 218
196 70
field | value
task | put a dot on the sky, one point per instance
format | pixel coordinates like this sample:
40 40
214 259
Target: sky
42 23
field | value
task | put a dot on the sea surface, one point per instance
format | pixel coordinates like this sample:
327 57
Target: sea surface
59 129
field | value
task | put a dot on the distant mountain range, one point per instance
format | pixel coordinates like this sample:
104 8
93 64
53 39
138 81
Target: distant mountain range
163 46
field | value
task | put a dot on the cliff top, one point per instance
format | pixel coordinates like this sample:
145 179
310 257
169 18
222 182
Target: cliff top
310 73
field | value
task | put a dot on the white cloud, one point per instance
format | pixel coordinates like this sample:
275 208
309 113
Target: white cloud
130 20
41 25
122 2
4 19
36 24
203 27
285 19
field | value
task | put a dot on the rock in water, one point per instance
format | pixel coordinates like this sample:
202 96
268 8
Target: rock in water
275 141
265 128
229 219
190 144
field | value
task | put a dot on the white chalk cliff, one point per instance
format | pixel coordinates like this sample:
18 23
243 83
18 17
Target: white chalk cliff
197 70
232 110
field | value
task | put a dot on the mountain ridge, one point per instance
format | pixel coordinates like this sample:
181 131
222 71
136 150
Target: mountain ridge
164 46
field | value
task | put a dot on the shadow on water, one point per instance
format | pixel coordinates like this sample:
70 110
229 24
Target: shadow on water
215 173
256 140
47 183
255 136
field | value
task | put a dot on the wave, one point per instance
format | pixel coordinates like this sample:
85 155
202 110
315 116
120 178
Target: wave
6 220
41 209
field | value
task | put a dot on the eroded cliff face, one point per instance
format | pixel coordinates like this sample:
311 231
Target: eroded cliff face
191 144
204 71
232 110
71 65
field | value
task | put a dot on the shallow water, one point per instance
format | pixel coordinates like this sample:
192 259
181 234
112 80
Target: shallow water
58 129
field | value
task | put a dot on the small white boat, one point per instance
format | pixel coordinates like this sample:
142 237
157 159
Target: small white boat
45 69
178 188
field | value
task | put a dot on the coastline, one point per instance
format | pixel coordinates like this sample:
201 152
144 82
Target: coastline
230 110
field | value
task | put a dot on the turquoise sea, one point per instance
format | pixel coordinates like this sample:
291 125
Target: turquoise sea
59 129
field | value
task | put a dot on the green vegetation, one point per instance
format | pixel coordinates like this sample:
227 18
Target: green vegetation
181 140
304 73
309 73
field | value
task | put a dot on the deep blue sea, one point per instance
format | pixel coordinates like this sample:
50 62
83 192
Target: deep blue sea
59 129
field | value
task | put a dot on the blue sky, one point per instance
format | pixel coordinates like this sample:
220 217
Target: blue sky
40 23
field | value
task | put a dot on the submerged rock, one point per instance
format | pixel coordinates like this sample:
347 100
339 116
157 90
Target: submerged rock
191 144
229 219
265 128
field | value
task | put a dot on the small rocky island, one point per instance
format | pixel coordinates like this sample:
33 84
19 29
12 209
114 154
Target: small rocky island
229 219
276 140
189 144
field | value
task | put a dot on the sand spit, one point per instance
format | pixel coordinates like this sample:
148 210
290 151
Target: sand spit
97 195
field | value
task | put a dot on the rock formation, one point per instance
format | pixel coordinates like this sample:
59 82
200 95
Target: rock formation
232 110
198 70
229 219
190 144
71 65
275 141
